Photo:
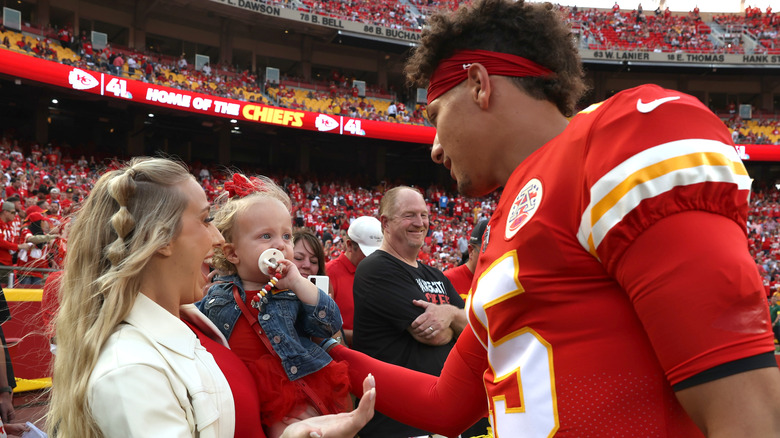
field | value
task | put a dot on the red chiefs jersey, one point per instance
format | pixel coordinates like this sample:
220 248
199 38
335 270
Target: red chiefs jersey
34 257
16 227
571 352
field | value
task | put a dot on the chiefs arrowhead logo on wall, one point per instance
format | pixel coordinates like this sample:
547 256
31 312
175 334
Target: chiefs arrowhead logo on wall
325 123
81 80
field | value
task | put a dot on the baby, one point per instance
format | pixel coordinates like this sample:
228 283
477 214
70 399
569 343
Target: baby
269 318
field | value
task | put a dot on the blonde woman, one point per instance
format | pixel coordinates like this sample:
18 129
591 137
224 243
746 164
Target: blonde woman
130 359
126 364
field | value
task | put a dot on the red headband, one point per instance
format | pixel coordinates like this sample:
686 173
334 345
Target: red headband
452 71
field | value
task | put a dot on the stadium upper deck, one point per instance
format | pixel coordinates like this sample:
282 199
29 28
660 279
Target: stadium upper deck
368 41
306 42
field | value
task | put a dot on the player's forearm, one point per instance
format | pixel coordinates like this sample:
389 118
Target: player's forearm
407 395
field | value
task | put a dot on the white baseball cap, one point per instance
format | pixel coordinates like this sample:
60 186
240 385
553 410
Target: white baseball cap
366 231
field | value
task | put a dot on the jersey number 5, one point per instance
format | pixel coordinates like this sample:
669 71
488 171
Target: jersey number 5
520 381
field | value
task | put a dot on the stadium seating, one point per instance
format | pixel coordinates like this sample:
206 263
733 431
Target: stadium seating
756 131
226 82
763 28
603 30
389 13
597 29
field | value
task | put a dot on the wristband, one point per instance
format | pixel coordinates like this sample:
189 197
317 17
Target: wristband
328 343
7 389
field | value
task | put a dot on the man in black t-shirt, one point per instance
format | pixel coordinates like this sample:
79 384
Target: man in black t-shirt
406 312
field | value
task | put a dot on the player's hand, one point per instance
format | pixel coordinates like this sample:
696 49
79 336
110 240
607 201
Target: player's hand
344 425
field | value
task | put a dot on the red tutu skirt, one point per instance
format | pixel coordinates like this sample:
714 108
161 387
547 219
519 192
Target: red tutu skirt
280 397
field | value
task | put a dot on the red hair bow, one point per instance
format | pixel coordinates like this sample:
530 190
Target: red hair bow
242 186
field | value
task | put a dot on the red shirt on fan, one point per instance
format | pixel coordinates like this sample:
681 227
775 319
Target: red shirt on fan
461 278
34 257
342 275
8 243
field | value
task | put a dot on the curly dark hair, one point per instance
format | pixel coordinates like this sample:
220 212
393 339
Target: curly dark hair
534 31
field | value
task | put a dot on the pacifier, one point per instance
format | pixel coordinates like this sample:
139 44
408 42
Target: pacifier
270 258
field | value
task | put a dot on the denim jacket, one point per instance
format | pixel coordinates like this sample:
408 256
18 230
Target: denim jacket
285 320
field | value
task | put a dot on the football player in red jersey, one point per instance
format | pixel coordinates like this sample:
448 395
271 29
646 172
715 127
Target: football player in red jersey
614 294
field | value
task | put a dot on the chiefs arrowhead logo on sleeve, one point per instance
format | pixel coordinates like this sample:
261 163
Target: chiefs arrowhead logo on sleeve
523 208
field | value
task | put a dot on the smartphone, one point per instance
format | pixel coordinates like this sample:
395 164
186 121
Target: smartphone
321 281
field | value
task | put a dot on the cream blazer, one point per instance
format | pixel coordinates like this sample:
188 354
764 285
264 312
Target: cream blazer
154 379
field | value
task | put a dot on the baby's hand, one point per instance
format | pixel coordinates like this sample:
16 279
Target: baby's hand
292 279
289 277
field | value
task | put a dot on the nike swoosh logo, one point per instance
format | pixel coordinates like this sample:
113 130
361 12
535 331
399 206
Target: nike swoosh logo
645 108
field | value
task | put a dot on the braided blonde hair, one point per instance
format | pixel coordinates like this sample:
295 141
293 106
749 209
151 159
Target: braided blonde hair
229 208
130 214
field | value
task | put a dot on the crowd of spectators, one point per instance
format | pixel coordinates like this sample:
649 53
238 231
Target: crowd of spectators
760 26
388 13
764 234
660 31
51 182
428 7
223 80
600 29
617 28
754 131
51 178
346 101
